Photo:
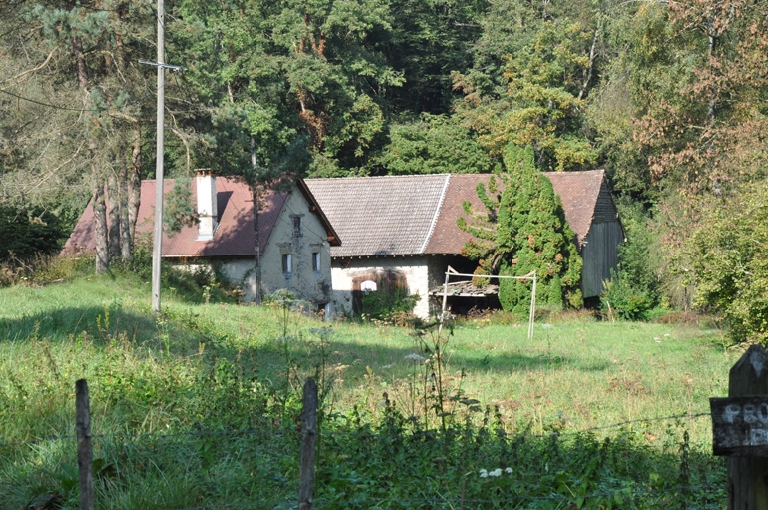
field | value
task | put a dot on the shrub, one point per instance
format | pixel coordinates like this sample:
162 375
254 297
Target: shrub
635 287
28 231
533 235
389 306
625 301
728 263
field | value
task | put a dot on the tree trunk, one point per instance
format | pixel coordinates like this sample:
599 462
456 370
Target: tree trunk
257 262
82 74
126 246
100 225
256 207
113 213
134 184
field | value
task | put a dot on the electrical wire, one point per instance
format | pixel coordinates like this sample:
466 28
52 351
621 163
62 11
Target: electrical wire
48 105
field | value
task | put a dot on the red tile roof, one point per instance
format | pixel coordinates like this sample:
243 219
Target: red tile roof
578 192
417 214
235 233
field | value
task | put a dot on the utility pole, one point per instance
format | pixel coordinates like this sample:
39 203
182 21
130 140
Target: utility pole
157 246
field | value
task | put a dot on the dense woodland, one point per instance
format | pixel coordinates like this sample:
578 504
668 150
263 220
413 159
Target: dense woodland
670 98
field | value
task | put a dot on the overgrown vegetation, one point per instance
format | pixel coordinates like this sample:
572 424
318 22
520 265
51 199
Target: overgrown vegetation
199 408
26 232
728 264
523 230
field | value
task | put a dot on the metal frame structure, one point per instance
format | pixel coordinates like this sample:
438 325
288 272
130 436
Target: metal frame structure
530 276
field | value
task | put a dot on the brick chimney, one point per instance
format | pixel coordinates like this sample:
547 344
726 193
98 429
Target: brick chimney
207 208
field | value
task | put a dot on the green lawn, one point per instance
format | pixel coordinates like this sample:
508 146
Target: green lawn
215 369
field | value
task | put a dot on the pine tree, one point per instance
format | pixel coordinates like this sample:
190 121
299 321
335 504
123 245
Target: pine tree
532 235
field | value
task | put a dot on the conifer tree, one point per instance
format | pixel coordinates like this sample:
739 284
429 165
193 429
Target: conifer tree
532 234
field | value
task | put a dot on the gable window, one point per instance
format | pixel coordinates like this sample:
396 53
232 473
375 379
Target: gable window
287 263
316 262
296 226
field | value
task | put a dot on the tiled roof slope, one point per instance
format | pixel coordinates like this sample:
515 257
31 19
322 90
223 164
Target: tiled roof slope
391 215
578 192
447 238
234 236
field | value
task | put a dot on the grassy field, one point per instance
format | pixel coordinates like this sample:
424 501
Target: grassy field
172 398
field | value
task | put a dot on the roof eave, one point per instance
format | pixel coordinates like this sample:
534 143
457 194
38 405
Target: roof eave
314 207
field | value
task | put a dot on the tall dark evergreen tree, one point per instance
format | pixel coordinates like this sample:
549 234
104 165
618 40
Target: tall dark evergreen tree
532 235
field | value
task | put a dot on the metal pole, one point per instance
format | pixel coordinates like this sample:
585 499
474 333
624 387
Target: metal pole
445 299
531 313
157 248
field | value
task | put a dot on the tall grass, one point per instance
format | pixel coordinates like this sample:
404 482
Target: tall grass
199 408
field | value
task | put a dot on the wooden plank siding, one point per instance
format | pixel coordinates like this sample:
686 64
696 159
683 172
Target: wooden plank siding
605 210
600 254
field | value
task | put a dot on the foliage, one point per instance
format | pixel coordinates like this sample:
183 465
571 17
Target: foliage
389 305
430 40
546 78
635 287
533 235
28 232
728 264
482 226
622 299
180 210
433 144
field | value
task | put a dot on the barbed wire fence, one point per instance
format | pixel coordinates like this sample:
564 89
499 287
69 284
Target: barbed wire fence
85 466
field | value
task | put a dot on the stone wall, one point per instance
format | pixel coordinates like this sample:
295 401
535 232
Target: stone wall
420 273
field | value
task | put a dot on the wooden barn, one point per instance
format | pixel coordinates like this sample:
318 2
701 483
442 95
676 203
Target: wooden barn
592 215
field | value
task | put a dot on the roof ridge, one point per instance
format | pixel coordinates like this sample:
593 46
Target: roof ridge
437 214
377 177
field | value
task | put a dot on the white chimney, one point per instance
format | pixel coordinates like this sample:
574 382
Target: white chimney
207 207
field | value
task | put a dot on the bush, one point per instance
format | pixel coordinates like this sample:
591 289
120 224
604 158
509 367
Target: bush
26 232
634 290
623 300
384 305
728 263
533 235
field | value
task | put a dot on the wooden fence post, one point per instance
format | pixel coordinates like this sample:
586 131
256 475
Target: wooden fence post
740 430
308 436
84 449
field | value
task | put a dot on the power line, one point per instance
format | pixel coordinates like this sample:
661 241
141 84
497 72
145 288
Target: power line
48 105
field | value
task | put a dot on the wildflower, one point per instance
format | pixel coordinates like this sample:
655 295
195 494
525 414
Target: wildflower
508 470
387 366
483 473
415 357
495 472
546 326
321 332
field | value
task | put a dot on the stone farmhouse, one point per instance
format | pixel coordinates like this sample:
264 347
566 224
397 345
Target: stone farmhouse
295 237
401 232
